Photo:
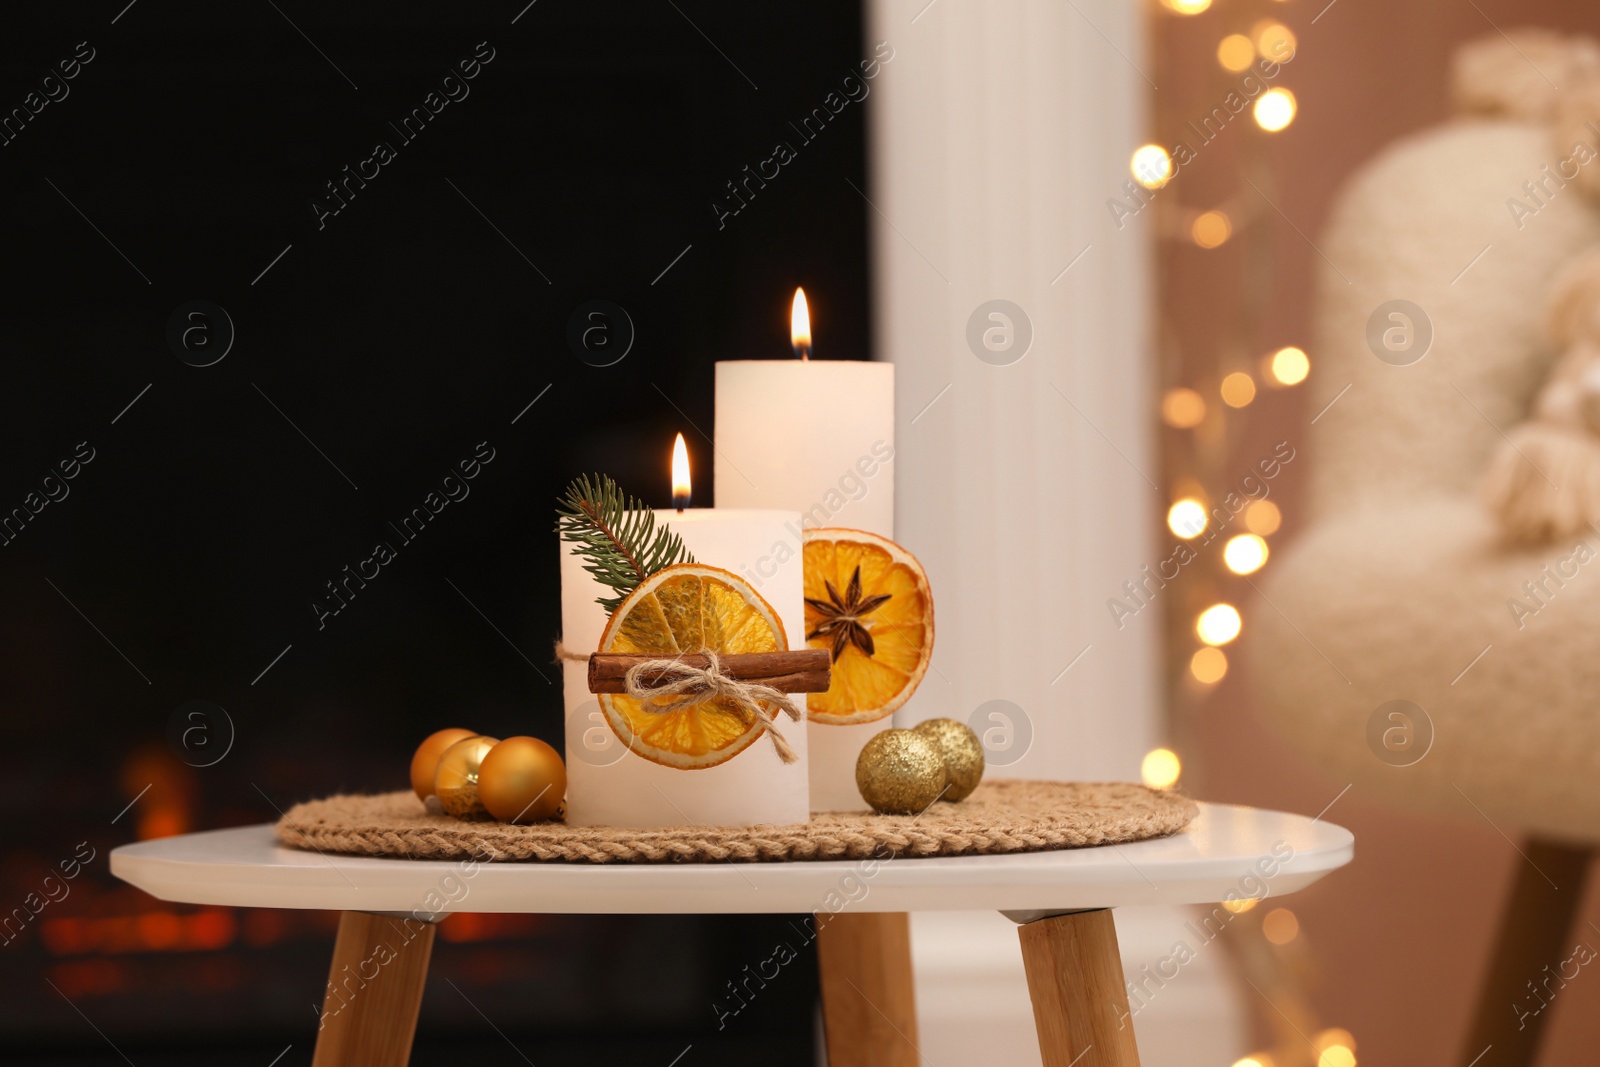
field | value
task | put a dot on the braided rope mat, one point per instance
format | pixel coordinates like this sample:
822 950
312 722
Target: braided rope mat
1000 816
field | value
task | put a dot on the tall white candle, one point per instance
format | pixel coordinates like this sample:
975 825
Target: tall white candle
813 435
609 786
818 436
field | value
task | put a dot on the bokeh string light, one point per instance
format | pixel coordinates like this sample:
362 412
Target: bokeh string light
1238 389
1280 926
1245 553
1272 39
1150 166
1289 366
1161 768
1187 518
1263 517
1236 53
1211 229
1219 624
1335 1037
1209 665
1212 390
1275 109
1183 409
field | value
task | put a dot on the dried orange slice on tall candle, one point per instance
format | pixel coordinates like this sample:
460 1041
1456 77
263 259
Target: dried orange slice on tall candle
689 608
867 601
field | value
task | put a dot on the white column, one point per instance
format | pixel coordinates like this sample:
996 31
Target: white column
997 134
998 131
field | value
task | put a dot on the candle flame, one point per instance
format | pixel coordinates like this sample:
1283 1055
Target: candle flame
800 325
680 474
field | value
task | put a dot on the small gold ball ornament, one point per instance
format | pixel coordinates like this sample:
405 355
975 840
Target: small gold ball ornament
456 781
522 780
962 752
900 772
425 763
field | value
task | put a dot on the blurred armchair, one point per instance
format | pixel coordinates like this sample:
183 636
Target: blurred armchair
1433 297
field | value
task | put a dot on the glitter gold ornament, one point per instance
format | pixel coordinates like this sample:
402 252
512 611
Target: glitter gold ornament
456 781
425 763
900 772
522 780
962 752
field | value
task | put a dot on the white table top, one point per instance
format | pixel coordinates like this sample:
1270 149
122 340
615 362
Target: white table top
1227 849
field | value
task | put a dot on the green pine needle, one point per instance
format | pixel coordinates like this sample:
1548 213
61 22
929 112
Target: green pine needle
617 535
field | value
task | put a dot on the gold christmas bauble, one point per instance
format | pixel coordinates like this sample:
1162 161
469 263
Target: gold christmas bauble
425 763
522 780
455 783
962 752
899 772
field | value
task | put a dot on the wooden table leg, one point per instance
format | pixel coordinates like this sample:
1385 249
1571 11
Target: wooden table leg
369 1012
868 1009
1535 946
1080 1004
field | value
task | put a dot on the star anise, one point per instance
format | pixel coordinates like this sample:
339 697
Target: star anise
841 616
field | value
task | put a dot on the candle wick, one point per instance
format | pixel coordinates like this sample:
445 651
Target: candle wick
804 352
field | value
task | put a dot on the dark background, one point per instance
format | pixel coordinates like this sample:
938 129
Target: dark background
375 353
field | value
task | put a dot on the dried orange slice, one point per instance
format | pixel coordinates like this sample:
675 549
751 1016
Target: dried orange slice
688 608
867 600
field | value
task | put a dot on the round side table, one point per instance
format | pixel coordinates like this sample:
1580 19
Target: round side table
1061 901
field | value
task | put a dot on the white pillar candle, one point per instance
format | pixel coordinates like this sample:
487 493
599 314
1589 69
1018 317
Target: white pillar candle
812 435
609 786
816 435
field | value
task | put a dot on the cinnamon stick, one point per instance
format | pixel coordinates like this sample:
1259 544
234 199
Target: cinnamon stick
804 682
806 670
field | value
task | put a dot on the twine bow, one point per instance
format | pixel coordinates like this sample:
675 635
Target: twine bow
689 685
686 686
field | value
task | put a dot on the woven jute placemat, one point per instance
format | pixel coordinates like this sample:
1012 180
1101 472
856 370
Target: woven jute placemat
1000 816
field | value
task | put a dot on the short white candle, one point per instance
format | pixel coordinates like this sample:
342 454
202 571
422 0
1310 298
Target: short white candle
818 436
610 786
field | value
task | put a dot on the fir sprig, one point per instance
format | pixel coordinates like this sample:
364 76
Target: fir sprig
617 535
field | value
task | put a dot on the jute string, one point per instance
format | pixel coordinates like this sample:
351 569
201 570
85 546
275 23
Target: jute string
676 685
